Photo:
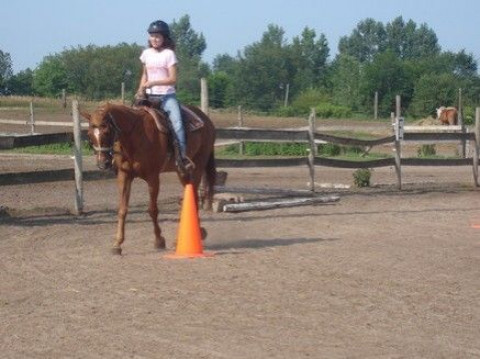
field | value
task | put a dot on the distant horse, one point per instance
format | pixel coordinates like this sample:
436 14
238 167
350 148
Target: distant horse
447 115
135 141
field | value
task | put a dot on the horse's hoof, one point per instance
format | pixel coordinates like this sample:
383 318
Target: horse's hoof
117 251
160 243
204 233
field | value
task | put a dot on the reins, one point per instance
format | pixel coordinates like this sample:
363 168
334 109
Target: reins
116 131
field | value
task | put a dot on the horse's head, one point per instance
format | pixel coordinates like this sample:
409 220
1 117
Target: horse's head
439 111
102 132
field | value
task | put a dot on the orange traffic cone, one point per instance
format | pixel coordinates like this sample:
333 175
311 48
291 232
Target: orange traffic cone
189 237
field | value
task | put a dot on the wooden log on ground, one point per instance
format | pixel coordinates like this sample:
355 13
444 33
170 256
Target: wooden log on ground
258 206
268 191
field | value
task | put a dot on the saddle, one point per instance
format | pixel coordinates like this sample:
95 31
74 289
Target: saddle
191 120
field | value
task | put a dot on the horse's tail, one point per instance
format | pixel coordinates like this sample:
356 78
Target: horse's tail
208 182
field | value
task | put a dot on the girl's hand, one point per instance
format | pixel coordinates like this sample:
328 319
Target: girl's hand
149 84
141 93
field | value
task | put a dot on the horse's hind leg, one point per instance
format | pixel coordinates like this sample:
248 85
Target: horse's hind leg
208 183
153 189
196 181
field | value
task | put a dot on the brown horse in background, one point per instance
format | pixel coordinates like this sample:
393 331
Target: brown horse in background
130 140
447 115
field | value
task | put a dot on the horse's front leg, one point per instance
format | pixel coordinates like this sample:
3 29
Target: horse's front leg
153 189
124 183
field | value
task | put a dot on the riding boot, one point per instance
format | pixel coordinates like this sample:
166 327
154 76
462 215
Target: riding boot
184 164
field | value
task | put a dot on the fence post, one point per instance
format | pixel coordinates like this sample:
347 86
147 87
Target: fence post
241 147
375 106
32 118
204 95
311 154
477 146
77 150
123 92
287 91
398 143
463 142
64 99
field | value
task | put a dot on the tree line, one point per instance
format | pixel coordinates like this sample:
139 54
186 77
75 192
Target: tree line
278 75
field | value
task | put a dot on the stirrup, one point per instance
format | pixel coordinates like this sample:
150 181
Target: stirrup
185 166
188 164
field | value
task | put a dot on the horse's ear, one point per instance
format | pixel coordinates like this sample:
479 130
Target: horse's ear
86 115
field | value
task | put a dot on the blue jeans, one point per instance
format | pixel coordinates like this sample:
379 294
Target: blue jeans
171 106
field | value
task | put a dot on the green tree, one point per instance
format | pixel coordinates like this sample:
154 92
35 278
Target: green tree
21 83
366 40
346 81
408 42
262 70
224 63
92 71
5 70
309 59
434 90
190 46
222 81
219 87
387 75
50 77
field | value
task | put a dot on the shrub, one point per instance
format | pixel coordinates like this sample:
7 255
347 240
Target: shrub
361 177
468 115
308 99
329 149
426 151
327 110
267 149
288 111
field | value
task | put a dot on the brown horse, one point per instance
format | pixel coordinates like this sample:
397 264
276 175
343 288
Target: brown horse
447 115
130 140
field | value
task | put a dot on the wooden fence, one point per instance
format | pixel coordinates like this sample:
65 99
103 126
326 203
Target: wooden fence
309 136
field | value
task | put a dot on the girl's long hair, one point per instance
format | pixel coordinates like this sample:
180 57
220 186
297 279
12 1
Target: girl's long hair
168 43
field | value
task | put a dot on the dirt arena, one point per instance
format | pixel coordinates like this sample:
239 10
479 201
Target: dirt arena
379 274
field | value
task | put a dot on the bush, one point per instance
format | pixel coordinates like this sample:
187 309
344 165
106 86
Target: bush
327 110
288 111
426 151
468 115
329 149
361 177
267 149
318 99
303 103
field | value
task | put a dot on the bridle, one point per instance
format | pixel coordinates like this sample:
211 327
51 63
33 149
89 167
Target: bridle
116 131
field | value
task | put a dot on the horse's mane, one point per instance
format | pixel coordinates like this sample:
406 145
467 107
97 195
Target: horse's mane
106 107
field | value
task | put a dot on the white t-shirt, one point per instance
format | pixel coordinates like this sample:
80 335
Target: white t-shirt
157 64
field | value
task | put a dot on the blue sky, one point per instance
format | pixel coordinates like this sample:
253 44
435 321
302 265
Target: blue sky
33 29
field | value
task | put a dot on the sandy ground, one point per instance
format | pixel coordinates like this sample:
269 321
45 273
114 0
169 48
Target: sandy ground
379 274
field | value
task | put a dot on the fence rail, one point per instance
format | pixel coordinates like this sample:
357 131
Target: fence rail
307 135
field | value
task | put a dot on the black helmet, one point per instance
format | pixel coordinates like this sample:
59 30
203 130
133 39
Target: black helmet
159 27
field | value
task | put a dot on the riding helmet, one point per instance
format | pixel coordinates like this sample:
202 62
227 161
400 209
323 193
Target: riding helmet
159 27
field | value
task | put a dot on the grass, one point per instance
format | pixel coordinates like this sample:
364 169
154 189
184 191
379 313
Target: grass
42 104
53 149
279 150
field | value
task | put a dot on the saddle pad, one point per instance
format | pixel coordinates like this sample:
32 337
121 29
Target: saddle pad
191 119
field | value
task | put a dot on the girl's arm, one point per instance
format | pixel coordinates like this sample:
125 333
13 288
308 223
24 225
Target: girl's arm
143 82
